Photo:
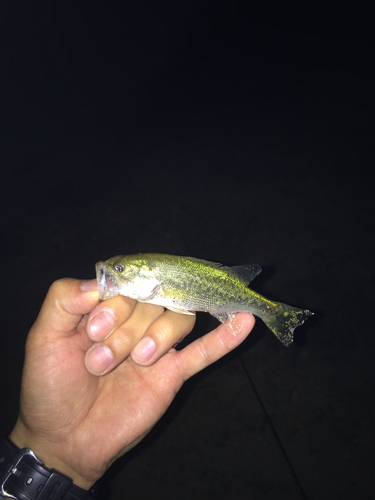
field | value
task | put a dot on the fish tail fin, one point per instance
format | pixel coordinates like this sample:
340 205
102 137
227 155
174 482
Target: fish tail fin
285 320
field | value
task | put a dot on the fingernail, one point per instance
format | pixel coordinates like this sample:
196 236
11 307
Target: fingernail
89 285
144 350
99 360
101 326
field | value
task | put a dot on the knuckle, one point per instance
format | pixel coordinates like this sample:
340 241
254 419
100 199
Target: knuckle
223 340
57 287
120 306
161 332
122 341
57 293
204 352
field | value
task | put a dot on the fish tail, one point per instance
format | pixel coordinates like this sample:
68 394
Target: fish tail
285 320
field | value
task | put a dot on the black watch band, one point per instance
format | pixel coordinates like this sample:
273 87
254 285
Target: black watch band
24 477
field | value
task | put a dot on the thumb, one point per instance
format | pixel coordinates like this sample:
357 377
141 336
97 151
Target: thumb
214 345
66 302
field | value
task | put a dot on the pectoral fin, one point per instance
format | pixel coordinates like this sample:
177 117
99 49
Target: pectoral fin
153 293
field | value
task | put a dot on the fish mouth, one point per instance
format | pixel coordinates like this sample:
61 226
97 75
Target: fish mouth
106 282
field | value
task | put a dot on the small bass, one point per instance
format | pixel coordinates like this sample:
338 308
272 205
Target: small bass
186 284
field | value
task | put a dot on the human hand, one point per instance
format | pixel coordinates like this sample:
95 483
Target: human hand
80 423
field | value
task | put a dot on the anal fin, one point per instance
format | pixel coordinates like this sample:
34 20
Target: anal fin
180 311
228 320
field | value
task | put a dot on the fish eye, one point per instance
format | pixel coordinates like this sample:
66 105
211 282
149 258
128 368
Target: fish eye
119 267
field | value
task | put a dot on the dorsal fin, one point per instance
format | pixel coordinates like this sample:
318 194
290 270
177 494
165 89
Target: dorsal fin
245 273
204 262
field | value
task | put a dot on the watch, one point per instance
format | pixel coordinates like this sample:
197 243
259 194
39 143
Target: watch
24 477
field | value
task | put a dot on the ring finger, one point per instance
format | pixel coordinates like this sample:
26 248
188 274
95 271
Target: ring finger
167 330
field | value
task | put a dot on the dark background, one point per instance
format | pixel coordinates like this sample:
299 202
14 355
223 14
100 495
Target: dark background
239 132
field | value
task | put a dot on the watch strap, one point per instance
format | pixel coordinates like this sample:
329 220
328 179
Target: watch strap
24 477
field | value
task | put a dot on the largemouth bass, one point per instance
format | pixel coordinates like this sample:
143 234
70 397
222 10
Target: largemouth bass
186 284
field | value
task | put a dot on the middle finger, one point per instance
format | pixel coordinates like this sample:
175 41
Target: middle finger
104 356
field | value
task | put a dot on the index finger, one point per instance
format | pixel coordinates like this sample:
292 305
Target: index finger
65 304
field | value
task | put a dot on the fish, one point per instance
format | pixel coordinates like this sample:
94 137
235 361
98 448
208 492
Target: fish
187 284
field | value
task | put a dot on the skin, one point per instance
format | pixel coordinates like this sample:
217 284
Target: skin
79 412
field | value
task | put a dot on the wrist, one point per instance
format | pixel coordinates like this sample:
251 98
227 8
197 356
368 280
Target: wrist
23 475
47 455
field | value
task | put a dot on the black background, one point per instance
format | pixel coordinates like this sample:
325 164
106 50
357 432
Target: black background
239 132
